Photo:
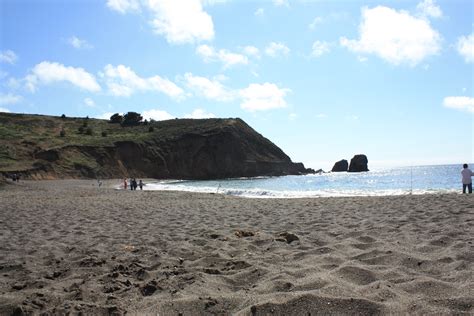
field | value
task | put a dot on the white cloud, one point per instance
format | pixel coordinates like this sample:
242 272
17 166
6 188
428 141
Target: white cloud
8 56
123 81
465 47
251 51
321 116
275 49
9 98
320 48
262 97
280 3
395 36
199 114
259 12
213 2
352 117
460 103
181 21
157 115
78 43
4 110
50 72
227 58
256 97
123 6
316 21
428 8
89 102
14 83
210 89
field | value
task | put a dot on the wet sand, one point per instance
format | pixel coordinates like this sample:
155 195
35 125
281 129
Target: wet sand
70 247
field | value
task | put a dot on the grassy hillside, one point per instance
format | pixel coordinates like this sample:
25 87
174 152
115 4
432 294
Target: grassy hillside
22 135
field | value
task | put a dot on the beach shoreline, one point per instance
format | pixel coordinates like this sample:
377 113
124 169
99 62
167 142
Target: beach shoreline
69 246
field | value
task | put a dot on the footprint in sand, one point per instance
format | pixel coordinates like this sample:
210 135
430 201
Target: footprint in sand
356 275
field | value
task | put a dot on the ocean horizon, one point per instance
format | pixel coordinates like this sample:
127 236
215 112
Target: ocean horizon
432 179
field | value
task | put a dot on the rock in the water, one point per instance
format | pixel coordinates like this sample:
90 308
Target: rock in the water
341 165
359 163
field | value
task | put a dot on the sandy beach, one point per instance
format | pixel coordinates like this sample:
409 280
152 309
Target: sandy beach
70 247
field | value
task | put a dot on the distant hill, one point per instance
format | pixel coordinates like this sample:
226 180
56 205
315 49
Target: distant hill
32 145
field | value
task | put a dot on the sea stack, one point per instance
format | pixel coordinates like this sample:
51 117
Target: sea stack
340 166
359 163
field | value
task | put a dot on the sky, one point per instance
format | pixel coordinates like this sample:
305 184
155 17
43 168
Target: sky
323 80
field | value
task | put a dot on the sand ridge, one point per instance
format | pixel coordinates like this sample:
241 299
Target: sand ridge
69 247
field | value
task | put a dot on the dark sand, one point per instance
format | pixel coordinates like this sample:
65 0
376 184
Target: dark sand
68 247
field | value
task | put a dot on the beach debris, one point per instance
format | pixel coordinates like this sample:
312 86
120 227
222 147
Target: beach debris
211 271
214 236
128 248
236 265
18 286
287 237
210 303
253 310
244 233
91 262
150 288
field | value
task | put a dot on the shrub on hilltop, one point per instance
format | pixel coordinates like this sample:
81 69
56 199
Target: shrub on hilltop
116 119
132 119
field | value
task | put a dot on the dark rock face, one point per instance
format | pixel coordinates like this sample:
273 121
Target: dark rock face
192 149
340 166
359 164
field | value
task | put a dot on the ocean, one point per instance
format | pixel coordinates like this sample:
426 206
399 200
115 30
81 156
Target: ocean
382 182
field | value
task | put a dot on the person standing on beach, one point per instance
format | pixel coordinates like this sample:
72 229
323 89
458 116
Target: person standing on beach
466 179
140 184
125 184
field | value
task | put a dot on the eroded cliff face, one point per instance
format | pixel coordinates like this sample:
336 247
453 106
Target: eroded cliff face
228 149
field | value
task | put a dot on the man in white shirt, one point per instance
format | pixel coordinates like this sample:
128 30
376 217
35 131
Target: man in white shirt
466 178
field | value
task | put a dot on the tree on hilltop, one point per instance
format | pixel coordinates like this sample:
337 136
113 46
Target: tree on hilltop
116 119
131 119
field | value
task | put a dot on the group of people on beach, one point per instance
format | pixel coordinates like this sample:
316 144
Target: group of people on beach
133 184
15 177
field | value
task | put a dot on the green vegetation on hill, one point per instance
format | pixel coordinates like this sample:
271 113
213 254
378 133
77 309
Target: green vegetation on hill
47 147
23 134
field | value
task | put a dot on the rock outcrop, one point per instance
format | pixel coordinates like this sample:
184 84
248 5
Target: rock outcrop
175 149
359 163
340 166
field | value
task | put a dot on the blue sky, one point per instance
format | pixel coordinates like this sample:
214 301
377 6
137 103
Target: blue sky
324 80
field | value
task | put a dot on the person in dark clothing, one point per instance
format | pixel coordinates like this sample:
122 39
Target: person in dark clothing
134 184
140 184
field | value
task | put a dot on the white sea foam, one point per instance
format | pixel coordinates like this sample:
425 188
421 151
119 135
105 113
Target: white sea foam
261 193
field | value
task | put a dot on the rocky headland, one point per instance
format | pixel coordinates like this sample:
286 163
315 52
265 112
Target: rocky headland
46 147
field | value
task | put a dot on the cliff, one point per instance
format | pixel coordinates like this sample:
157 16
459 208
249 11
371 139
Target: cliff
32 145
